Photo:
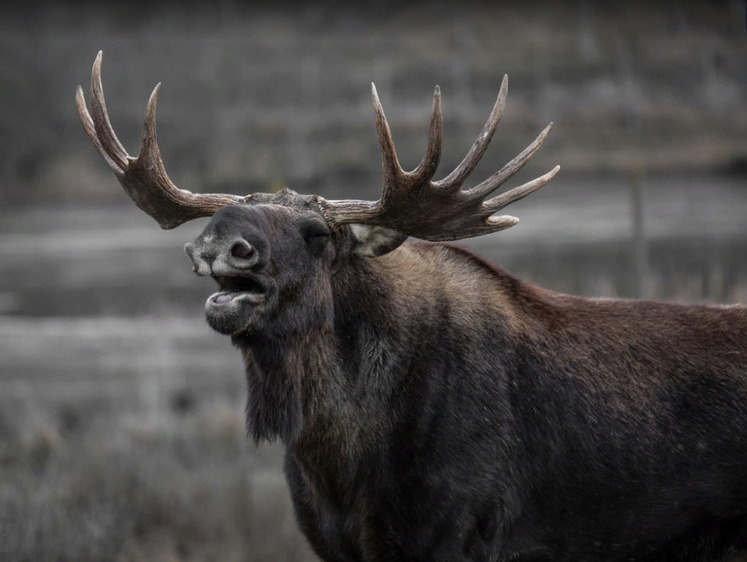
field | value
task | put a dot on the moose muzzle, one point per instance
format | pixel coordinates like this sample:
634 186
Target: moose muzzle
235 254
231 257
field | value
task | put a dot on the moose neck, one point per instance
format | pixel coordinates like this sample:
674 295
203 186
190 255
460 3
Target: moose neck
282 374
339 372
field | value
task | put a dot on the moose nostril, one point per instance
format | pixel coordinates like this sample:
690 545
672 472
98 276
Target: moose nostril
242 249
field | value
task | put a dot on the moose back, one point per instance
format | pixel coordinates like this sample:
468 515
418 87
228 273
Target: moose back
434 407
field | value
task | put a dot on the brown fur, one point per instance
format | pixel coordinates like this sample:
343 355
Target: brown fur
433 406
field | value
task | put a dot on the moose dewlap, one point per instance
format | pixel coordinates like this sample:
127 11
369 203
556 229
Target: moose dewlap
434 407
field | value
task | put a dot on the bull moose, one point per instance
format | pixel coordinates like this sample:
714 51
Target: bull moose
434 407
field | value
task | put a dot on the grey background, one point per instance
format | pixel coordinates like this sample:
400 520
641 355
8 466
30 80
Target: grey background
121 430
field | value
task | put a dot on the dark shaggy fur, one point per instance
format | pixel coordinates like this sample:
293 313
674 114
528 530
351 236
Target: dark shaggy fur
433 407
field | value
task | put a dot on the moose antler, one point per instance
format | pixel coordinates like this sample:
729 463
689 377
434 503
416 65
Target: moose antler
413 204
143 178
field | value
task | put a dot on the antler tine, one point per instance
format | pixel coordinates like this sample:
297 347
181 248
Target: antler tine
429 163
90 129
150 154
489 185
103 126
504 199
389 161
143 178
455 179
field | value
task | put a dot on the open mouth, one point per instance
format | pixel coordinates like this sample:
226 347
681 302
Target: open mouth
239 304
238 288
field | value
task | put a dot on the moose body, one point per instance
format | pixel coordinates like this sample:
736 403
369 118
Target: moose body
434 407
437 408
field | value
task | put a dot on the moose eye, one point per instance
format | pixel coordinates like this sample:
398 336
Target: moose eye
316 236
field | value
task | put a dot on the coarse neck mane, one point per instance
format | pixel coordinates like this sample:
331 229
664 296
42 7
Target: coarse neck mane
281 374
324 370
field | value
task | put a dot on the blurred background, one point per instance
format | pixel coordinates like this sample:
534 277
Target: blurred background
121 413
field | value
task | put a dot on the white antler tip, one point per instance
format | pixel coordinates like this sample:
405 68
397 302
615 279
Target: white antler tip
503 221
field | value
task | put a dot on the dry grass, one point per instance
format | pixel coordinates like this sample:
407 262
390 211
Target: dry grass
192 489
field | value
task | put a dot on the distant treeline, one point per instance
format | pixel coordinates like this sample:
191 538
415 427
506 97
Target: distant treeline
256 98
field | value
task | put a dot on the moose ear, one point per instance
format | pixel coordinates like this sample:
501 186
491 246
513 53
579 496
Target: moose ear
375 241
